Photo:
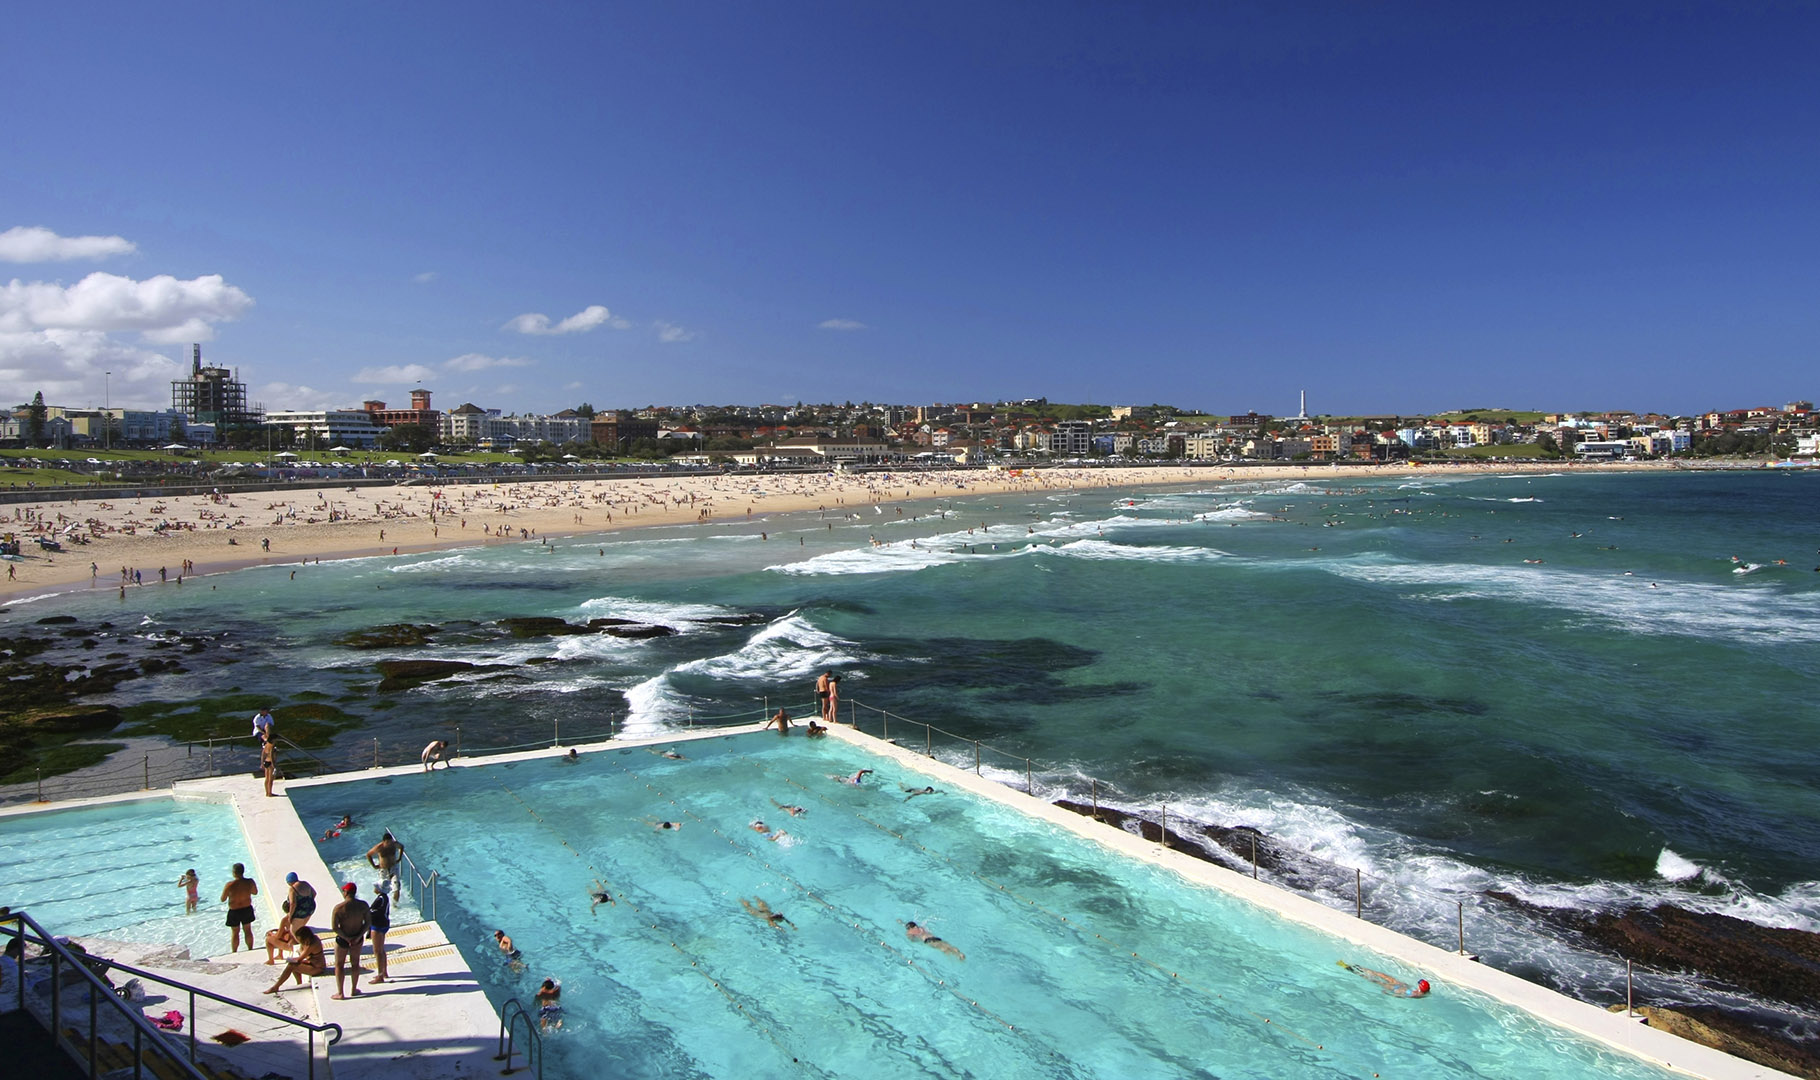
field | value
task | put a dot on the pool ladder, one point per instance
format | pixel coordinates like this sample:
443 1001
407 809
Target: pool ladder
509 1015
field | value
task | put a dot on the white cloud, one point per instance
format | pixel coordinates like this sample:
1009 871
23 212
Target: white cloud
425 278
163 308
283 395
478 362
34 243
60 339
840 324
394 374
572 386
618 323
670 334
582 321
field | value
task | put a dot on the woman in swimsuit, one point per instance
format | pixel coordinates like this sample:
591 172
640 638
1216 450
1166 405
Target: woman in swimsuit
308 962
302 902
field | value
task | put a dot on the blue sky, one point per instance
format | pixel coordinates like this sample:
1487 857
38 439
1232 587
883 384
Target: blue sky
1399 207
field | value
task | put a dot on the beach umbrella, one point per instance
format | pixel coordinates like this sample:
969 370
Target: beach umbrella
426 454
285 455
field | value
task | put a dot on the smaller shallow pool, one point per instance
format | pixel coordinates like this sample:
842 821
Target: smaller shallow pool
111 871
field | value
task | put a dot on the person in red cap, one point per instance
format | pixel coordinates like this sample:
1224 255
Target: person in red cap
1390 983
351 920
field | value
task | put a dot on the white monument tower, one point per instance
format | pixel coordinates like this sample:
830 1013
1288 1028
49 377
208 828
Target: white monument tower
1302 411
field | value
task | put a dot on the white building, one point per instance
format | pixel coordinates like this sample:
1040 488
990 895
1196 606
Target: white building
327 427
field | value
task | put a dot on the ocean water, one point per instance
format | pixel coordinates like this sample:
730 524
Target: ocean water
1585 690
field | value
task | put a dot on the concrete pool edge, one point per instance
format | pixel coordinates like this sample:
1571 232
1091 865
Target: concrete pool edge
1625 1034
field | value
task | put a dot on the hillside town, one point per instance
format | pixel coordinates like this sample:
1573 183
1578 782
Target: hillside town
210 409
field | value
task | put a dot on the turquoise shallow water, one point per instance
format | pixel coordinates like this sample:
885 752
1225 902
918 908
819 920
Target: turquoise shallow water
1559 687
111 871
676 980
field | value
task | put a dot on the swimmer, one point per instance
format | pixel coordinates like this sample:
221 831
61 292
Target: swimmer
669 826
914 792
598 895
856 779
673 755
793 811
514 958
816 731
922 934
573 757
1390 984
759 909
549 1005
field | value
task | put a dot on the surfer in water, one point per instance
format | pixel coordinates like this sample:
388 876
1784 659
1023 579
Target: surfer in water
1389 983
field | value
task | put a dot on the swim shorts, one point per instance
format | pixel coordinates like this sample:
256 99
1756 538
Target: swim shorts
240 916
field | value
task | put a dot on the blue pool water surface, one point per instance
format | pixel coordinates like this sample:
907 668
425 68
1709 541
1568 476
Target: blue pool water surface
1078 963
111 871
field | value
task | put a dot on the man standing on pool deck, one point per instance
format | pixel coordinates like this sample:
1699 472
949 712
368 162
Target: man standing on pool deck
351 919
239 893
262 725
384 857
821 692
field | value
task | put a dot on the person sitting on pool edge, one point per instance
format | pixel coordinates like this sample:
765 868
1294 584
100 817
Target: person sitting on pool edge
308 962
922 934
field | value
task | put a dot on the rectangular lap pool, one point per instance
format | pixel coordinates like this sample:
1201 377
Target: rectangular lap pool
111 870
1077 963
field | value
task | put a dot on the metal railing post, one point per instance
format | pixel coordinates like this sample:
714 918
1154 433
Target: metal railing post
852 714
1030 777
1630 1007
1096 797
148 773
40 785
928 741
691 716
976 757
1254 856
93 1035
457 740
556 732
1358 893
885 718
193 1027
1461 905
375 753
211 757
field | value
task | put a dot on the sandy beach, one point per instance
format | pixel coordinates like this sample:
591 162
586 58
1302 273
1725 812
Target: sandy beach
164 539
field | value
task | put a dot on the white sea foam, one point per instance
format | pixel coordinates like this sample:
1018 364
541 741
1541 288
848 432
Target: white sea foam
1105 550
790 649
1697 609
679 616
1673 867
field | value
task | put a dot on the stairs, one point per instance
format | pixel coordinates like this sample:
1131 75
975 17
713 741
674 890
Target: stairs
30 1050
111 1057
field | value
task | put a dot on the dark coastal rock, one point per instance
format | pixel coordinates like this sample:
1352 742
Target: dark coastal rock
603 623
155 665
541 626
18 648
1726 1032
1240 842
56 620
405 674
73 720
640 631
1778 963
736 620
391 636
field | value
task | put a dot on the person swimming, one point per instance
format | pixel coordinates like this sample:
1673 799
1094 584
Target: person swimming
793 811
855 779
914 792
668 826
922 934
1390 984
598 895
759 909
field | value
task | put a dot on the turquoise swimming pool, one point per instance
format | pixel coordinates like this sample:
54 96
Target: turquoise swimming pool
111 871
1077 963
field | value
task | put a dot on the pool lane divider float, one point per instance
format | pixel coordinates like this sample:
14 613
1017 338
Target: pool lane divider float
849 919
694 962
1071 923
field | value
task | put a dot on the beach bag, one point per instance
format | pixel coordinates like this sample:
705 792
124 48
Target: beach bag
170 1021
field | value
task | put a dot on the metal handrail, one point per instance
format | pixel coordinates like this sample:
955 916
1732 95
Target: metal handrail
333 1029
142 1028
509 1014
419 883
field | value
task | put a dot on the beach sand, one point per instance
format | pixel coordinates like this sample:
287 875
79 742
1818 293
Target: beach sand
164 539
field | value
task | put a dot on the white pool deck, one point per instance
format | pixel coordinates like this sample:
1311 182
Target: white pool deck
432 1020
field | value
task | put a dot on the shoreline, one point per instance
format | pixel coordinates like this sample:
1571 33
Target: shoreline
214 534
